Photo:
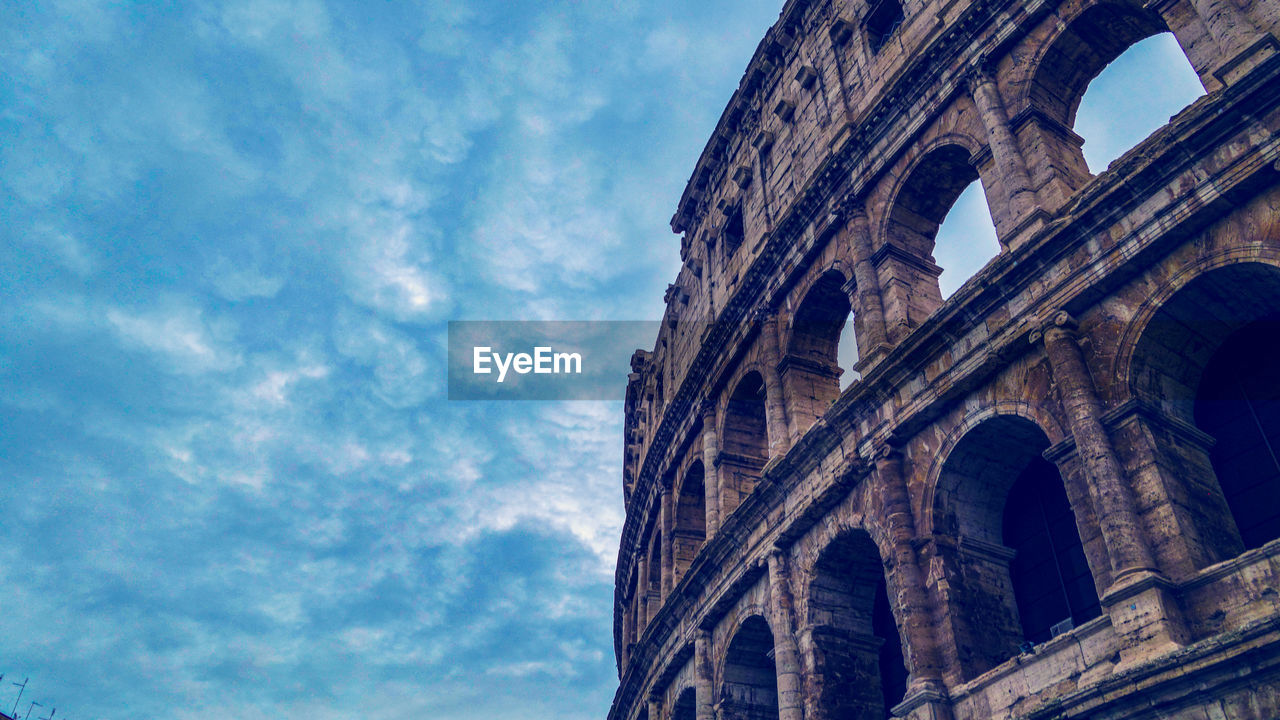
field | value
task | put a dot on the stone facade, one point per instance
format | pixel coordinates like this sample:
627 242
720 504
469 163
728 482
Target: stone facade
1040 498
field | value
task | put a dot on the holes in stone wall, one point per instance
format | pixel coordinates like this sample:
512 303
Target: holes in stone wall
1133 97
860 671
883 19
1207 357
750 688
966 239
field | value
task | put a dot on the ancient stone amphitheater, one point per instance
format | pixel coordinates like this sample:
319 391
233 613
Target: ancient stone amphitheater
1053 494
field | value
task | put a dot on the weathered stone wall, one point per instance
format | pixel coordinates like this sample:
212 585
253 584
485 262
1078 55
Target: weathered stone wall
769 514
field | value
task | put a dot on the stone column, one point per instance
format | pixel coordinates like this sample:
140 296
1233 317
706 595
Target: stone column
911 599
702 694
1118 519
1004 150
642 590
1139 600
710 467
668 543
786 657
925 687
864 293
655 708
1241 45
775 402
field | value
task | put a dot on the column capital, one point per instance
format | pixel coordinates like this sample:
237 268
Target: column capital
981 72
850 207
708 407
1057 323
764 314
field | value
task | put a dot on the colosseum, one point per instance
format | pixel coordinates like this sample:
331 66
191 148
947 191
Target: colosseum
1053 494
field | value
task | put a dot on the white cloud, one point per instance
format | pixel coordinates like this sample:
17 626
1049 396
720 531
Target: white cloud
180 335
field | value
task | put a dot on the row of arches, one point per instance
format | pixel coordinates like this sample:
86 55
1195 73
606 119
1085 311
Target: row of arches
1009 516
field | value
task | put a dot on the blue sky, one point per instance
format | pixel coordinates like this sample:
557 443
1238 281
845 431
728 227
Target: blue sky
233 233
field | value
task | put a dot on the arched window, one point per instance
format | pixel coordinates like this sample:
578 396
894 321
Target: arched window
966 239
690 530
1010 541
655 575
860 672
685 707
810 368
1125 89
1206 357
1090 43
1051 580
750 688
1238 404
913 231
745 443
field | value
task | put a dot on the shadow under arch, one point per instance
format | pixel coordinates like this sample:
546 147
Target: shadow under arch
1018 558
859 669
810 367
1204 359
749 681
744 446
689 531
685 707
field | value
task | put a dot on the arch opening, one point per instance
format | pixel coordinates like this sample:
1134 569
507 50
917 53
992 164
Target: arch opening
745 447
750 687
923 203
860 671
966 239
685 706
690 530
1123 89
1010 534
1091 48
811 367
1052 584
1202 360
1238 404
655 576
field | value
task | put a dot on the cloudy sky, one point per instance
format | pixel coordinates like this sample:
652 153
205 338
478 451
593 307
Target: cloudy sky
231 234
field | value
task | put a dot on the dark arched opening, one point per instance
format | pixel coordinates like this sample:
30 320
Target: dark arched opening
860 671
655 575
750 688
745 447
690 530
1204 359
685 707
996 489
1238 404
811 367
1051 580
